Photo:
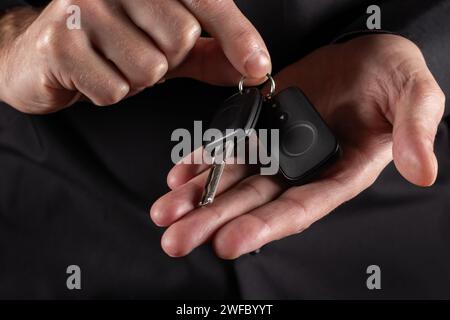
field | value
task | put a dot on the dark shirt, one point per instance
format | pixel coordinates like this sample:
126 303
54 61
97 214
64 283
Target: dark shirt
76 186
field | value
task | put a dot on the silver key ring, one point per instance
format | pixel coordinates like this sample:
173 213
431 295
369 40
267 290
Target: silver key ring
273 85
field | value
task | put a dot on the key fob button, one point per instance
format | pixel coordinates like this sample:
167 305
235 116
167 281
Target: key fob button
299 139
307 145
282 117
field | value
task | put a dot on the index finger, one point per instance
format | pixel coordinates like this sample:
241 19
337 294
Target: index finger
240 41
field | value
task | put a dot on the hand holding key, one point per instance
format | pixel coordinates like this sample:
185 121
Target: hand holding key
235 120
379 98
302 147
122 48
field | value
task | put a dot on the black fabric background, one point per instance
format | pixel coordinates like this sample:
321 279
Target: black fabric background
75 188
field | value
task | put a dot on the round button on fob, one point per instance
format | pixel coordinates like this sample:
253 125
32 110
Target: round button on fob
298 139
306 142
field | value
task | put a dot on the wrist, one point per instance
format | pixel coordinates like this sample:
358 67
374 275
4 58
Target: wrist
13 24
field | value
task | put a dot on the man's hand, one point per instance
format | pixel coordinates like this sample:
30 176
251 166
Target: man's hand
380 99
122 48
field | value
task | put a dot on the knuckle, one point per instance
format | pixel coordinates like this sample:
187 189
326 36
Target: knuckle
44 82
295 205
301 220
54 42
63 4
441 96
428 91
248 187
243 35
101 11
353 185
183 43
158 71
210 5
152 69
424 88
112 96
96 8
247 37
217 213
90 10
49 40
189 35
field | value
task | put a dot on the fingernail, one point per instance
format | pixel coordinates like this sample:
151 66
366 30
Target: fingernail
258 65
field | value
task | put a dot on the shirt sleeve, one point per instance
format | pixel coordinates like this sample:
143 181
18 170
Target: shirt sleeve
426 23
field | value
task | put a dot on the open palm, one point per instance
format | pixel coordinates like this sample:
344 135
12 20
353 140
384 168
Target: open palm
379 98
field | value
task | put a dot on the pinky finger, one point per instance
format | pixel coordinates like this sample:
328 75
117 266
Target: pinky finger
95 78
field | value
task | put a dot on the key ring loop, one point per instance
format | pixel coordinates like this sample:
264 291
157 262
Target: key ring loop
273 85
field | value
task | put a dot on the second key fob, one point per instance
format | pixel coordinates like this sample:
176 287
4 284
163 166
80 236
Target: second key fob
307 144
239 112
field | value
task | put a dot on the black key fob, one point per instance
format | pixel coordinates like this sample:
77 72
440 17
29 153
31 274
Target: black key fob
307 144
238 114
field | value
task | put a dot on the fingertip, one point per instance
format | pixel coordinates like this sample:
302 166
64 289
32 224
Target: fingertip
173 180
164 212
431 172
258 65
416 163
169 247
172 246
157 214
224 248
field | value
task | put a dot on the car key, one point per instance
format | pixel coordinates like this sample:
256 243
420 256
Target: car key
306 145
215 174
239 113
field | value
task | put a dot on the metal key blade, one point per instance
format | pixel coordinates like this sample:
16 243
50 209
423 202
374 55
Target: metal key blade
215 174
212 183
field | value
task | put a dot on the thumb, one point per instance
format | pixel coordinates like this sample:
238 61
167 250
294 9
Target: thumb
416 120
208 63
239 39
